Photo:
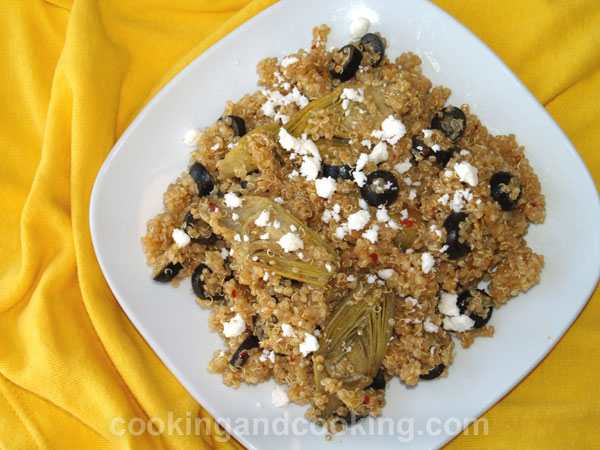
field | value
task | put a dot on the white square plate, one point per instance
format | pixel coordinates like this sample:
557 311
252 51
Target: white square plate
150 155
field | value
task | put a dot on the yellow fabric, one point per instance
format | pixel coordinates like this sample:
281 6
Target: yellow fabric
73 74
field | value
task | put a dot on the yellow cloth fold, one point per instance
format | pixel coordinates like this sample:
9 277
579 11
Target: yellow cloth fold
73 74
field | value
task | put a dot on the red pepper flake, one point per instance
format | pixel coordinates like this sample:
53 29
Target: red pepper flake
479 220
311 218
518 159
367 399
212 206
476 127
534 204
408 222
292 359
233 293
374 258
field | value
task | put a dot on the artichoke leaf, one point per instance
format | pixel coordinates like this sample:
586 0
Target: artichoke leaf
354 341
262 248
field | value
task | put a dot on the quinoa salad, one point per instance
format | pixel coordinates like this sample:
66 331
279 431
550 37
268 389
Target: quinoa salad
343 224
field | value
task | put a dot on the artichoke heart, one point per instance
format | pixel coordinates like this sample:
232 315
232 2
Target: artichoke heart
238 157
262 248
354 341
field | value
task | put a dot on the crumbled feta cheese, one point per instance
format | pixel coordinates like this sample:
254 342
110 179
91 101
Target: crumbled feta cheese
192 136
427 262
393 130
372 234
290 242
436 148
266 276
255 258
444 199
276 224
264 355
465 152
430 327
362 161
403 167
359 178
341 231
404 214
263 219
235 327
276 99
293 227
350 278
234 216
444 248
301 255
288 61
359 27
412 194
427 133
264 236
287 330
411 300
272 356
329 214
447 304
363 204
325 187
279 397
310 344
328 267
366 143
224 253
356 95
215 147
385 274
232 200
458 323
435 229
379 153
358 220
237 238
382 214
467 173
181 238
371 279
246 238
460 199
278 200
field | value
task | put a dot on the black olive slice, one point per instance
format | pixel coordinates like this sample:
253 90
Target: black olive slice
345 62
433 373
381 188
198 284
241 354
456 249
506 190
378 383
462 303
451 121
373 49
236 123
202 178
443 156
420 148
188 227
169 272
337 172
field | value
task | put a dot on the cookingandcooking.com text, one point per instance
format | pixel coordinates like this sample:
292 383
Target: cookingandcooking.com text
405 429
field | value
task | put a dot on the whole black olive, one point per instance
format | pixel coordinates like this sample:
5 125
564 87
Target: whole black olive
345 62
168 272
372 48
202 178
198 284
243 352
433 373
463 301
451 121
456 249
506 190
381 188
337 172
236 123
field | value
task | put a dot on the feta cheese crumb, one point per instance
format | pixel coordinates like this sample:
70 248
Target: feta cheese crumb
234 216
371 279
278 200
264 236
309 345
356 95
237 238
181 238
224 253
279 397
393 130
234 327
291 242
460 199
325 187
467 173
287 330
430 327
263 219
276 224
427 262
444 199
427 133
232 200
358 220
379 153
447 304
385 274
192 136
412 194
403 167
272 356
350 278
366 143
288 61
372 234
458 323
359 27
363 204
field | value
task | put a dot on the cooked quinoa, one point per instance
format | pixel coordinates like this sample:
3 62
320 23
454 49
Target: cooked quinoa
348 235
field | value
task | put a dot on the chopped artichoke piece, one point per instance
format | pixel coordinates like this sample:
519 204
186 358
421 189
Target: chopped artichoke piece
238 156
412 228
355 340
262 247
